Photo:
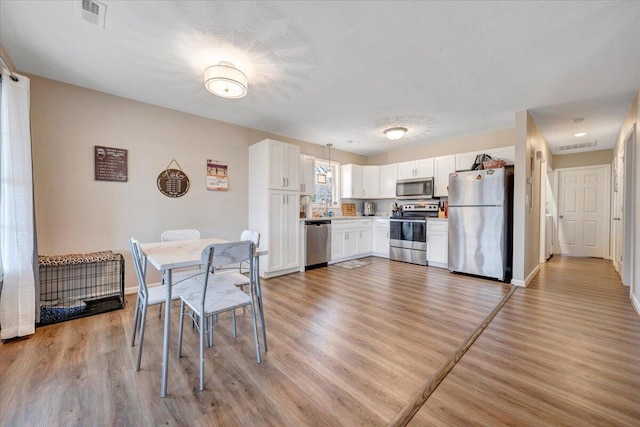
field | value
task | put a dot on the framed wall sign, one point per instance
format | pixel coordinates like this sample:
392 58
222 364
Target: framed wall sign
217 175
173 182
110 164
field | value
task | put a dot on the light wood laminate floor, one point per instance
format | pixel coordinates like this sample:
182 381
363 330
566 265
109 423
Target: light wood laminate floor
350 347
564 351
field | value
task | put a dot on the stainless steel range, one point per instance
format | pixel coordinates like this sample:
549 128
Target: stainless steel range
408 239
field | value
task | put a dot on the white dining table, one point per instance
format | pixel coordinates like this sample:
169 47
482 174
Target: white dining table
167 256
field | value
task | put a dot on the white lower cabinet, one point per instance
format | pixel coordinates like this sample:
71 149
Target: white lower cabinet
380 237
350 238
438 243
283 230
364 241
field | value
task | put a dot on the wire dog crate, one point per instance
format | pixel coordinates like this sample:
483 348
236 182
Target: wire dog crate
79 285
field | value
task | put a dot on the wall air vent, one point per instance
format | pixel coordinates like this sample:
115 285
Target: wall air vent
92 12
578 146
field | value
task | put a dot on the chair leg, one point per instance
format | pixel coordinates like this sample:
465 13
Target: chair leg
180 329
209 332
233 322
143 317
258 295
202 332
160 311
136 319
255 331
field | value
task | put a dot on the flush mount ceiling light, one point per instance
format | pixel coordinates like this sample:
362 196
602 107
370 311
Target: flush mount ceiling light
225 80
579 134
395 133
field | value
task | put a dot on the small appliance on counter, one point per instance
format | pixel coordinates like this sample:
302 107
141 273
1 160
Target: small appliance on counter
369 209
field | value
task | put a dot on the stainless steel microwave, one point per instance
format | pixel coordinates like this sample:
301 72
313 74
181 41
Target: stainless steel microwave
414 188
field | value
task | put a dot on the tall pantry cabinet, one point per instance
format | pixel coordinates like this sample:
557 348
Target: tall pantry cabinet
274 198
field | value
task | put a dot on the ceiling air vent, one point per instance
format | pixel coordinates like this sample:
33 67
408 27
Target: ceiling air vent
93 12
578 146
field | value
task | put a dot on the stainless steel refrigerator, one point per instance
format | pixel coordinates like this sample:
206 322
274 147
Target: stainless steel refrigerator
481 222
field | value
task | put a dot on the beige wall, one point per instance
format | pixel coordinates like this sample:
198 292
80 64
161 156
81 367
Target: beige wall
590 158
501 138
633 117
527 210
76 214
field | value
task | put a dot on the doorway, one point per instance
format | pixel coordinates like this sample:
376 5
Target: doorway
627 221
583 211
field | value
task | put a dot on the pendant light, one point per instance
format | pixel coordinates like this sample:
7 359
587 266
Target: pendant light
329 172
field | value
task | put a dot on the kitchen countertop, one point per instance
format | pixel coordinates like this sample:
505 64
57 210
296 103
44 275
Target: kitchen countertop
340 218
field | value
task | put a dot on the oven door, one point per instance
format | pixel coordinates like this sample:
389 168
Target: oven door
420 188
408 233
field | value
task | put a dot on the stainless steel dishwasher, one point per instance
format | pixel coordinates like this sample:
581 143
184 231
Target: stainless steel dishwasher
318 238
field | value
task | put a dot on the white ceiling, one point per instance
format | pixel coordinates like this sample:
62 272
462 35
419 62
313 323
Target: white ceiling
342 72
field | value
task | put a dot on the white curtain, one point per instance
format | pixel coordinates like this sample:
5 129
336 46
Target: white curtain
17 300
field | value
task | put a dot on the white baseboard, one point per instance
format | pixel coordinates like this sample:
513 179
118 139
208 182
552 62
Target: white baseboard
524 283
636 303
131 290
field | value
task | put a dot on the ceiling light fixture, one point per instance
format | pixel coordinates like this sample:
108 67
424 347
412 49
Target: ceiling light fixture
579 134
225 80
395 133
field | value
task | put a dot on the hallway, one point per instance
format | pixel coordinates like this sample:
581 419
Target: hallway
564 351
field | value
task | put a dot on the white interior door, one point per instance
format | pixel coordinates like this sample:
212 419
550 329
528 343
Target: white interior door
583 207
618 204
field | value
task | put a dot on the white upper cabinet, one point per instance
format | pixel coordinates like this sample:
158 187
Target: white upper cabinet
508 154
371 182
351 181
465 161
307 174
284 164
388 178
416 169
424 168
443 167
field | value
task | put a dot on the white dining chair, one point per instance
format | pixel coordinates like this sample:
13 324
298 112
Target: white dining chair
148 295
174 235
218 294
239 276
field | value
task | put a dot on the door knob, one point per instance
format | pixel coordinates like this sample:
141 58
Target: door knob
561 216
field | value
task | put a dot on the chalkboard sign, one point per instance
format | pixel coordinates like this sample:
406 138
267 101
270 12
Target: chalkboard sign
173 182
110 164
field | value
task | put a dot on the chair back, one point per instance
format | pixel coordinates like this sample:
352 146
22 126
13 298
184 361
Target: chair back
173 235
140 264
220 254
254 236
